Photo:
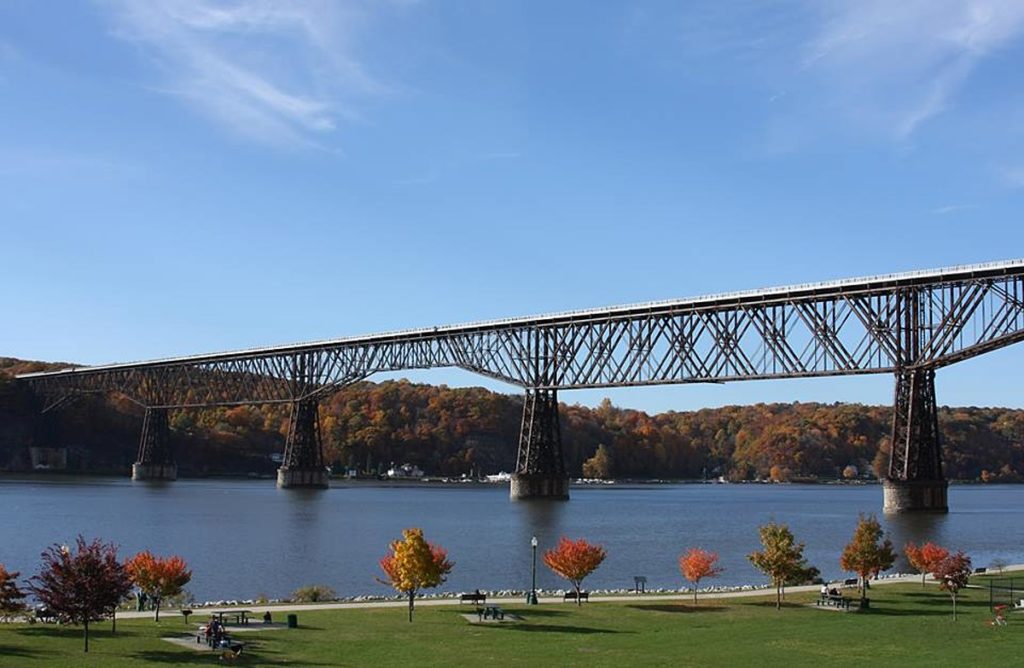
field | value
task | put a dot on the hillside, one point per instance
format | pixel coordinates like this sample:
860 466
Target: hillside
449 431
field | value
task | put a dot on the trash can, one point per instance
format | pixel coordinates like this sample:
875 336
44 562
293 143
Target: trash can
293 621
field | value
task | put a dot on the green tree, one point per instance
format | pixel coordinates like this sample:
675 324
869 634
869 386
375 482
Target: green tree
782 558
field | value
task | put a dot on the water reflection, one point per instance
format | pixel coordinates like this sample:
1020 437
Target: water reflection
917 528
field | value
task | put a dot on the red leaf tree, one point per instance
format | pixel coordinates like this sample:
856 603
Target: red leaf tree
81 585
925 559
953 572
697 564
158 577
574 560
12 599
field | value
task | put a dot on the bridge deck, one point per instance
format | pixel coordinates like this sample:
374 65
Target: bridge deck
790 293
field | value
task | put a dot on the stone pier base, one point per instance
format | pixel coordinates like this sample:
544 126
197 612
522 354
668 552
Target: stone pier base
142 471
911 496
315 478
539 486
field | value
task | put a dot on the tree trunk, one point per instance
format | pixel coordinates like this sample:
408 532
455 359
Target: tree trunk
923 576
579 602
778 597
954 607
695 593
157 618
113 622
411 594
87 636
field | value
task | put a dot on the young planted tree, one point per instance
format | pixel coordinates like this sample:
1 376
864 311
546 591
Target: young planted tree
158 577
81 586
953 572
925 559
12 599
697 564
867 554
782 558
574 560
415 564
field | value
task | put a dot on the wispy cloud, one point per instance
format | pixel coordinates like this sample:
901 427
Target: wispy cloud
282 73
1013 177
952 208
894 65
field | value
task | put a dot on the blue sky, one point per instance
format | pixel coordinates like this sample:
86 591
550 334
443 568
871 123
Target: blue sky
186 176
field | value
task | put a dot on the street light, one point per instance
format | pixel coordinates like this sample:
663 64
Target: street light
531 599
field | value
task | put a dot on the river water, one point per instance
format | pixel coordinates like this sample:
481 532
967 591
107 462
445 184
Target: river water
246 538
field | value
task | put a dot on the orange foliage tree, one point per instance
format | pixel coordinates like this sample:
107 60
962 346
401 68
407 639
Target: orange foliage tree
158 577
415 564
574 560
867 554
12 599
926 558
698 564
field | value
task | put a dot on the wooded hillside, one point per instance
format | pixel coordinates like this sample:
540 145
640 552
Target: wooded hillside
447 431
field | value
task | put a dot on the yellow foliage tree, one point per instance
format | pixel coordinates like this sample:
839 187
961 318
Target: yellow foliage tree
414 564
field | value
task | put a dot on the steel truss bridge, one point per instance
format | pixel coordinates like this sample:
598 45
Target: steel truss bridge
907 324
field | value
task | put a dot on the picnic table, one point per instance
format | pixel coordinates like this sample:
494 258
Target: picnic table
490 612
241 616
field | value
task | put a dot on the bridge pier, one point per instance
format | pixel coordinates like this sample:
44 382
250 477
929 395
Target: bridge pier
303 464
156 457
915 482
540 468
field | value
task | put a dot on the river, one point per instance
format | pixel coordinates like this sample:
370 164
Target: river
247 538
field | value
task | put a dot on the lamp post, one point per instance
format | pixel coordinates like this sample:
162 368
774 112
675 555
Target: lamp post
532 598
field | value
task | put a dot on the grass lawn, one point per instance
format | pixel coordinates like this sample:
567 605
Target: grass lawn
907 626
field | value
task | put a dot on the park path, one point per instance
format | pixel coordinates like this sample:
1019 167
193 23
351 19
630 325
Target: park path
357 605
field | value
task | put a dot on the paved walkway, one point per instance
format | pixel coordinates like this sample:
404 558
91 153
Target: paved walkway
198 613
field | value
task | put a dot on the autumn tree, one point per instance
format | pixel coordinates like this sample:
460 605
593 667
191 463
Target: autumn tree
953 572
600 465
868 553
12 599
782 558
926 558
697 564
574 560
81 585
414 564
158 577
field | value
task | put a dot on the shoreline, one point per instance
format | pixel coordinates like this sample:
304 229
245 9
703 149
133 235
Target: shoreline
517 596
341 482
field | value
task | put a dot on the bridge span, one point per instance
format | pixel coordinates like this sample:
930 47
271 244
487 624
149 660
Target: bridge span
907 324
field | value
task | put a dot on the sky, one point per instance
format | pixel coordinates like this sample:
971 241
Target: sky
184 176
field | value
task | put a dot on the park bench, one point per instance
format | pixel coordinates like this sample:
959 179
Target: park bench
571 596
45 616
475 597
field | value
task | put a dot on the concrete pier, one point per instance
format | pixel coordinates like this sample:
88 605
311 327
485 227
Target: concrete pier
141 471
539 486
299 477
911 496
